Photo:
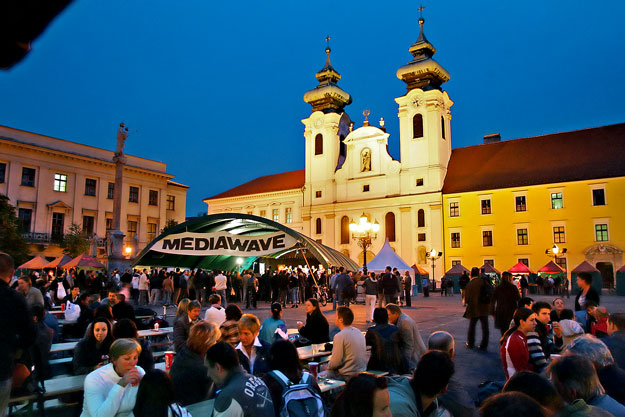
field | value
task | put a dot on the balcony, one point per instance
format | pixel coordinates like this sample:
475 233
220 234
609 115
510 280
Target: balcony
42 238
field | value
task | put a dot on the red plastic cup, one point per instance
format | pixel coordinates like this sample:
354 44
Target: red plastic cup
314 369
169 359
63 307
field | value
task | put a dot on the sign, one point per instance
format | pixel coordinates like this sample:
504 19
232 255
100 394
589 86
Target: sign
223 243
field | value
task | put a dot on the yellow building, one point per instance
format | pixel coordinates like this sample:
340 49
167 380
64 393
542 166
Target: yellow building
509 201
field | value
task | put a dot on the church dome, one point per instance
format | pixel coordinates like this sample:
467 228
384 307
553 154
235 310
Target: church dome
327 96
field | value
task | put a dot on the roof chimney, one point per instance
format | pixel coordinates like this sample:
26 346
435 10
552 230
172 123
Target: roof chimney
492 138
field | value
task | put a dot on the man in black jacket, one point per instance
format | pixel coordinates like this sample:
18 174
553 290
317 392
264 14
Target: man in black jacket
390 286
122 309
17 331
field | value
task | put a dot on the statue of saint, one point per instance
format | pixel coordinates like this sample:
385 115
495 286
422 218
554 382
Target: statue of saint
365 160
122 134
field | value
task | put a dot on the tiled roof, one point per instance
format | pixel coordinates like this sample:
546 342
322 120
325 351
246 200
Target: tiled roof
275 182
560 157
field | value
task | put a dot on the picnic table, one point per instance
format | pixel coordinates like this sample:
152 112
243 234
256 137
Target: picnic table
312 351
163 331
63 347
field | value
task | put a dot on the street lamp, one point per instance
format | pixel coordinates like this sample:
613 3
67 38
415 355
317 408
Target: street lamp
364 232
555 251
128 251
433 255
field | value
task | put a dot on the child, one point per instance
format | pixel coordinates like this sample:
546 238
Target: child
570 328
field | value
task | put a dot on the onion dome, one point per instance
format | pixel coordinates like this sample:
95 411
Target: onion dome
423 72
327 96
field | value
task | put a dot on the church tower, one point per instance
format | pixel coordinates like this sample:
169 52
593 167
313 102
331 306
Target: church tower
424 120
324 132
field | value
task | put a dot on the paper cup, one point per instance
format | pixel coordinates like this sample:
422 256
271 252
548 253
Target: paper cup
169 359
156 326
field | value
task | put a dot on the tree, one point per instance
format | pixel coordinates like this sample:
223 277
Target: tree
11 239
168 225
75 241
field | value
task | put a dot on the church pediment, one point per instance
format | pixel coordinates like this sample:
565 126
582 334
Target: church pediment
59 204
602 249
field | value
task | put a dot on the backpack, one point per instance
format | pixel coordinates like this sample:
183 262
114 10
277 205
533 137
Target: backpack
298 399
486 292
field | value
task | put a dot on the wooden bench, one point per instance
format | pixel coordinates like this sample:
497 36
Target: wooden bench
61 361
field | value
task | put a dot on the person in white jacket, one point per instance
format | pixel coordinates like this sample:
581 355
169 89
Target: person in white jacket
111 390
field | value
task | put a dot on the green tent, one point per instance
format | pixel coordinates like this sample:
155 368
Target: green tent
620 281
454 274
597 280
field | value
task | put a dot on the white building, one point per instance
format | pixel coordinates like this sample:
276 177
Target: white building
54 183
349 171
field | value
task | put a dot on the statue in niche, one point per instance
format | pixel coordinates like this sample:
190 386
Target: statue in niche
421 254
365 160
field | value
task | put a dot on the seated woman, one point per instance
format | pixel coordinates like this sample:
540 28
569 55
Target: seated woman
515 355
316 330
155 397
111 390
230 327
182 308
365 395
92 351
272 324
127 329
253 353
286 369
385 341
189 372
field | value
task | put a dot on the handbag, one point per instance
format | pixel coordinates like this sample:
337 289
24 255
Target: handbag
72 311
60 291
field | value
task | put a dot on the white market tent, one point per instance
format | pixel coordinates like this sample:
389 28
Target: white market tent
388 257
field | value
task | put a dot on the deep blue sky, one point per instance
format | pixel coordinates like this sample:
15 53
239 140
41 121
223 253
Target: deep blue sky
214 89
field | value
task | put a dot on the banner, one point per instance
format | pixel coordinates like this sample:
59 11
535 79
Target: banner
223 243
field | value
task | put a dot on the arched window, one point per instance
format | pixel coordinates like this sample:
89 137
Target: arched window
344 230
417 126
389 226
319 144
443 127
318 226
421 218
343 146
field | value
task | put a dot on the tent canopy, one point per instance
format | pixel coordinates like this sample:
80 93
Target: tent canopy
38 262
584 267
489 269
59 262
621 269
520 268
387 257
551 268
216 241
83 261
420 271
457 269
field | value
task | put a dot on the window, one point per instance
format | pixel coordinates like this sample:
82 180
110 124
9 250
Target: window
263 213
110 194
490 262
486 208
171 202
90 187
520 203
556 201
319 144
343 146
317 194
421 218
598 197
456 262
389 226
421 237
132 228
454 209
365 188
25 217
87 225
288 215
344 230
153 198
28 177
58 226
524 261
417 126
455 240
419 182
558 234
443 128
521 237
275 215
250 212
109 224
3 171
318 226
601 232
561 263
133 195
60 182
487 238
152 231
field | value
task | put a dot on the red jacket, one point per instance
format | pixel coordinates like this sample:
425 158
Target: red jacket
515 356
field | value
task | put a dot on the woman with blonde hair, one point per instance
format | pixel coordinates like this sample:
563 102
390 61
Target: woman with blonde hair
183 305
111 390
189 373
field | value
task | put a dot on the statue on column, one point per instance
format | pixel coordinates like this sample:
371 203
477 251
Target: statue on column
122 134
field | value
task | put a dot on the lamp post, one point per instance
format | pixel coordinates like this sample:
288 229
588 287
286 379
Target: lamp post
433 255
554 251
364 232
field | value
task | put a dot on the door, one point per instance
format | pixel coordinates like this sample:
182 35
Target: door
607 273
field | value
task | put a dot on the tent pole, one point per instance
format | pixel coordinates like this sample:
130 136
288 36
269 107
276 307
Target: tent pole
309 268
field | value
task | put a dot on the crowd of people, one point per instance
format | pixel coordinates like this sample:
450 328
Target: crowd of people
556 361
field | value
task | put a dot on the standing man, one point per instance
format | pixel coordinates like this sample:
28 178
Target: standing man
221 284
144 286
344 286
391 286
408 289
477 309
371 292
412 343
462 282
17 331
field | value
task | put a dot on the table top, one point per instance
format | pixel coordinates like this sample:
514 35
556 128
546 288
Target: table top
160 332
61 347
329 384
203 408
306 352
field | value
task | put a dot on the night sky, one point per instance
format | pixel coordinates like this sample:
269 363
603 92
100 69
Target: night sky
214 89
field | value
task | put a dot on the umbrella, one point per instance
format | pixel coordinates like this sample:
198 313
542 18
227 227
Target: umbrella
83 261
551 268
520 268
59 262
38 262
